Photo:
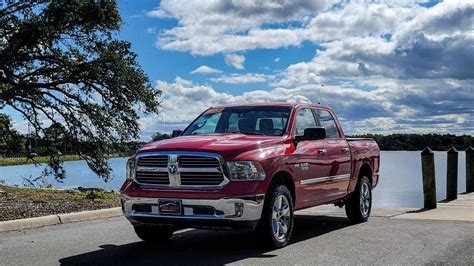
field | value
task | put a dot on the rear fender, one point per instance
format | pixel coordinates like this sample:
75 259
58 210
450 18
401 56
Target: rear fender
356 171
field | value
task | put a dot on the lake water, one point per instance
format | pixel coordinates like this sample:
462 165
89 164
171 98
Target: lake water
400 182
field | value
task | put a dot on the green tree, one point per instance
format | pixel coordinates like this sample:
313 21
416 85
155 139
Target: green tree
10 140
159 136
61 63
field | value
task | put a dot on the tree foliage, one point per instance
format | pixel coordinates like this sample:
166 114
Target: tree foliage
10 139
417 142
160 136
61 64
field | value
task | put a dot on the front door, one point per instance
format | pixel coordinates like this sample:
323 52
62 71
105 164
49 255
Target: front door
337 155
310 163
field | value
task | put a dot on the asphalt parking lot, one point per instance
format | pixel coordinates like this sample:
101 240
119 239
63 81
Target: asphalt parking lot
316 240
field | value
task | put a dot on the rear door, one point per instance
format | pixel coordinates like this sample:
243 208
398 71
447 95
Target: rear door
336 153
310 164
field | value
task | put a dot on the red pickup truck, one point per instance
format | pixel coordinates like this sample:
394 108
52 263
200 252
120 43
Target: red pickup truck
249 166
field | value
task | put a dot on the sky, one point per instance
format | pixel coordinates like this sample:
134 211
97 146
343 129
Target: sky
384 66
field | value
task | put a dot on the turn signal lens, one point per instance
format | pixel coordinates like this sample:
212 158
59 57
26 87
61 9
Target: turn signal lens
130 170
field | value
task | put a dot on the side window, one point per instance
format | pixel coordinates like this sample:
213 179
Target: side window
327 121
305 119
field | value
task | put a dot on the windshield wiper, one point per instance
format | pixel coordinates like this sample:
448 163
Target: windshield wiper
252 133
246 133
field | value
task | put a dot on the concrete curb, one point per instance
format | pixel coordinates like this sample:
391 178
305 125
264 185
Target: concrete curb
36 222
29 223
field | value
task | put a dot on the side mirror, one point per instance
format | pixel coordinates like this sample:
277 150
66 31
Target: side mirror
176 133
312 133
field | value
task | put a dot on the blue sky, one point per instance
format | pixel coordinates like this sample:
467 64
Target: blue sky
385 66
160 64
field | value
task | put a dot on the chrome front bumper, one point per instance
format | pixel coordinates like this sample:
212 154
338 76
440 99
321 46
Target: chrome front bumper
235 209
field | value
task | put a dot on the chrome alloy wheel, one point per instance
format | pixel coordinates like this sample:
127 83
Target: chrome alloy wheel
281 218
365 199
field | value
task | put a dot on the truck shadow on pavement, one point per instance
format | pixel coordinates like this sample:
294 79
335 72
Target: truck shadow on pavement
204 247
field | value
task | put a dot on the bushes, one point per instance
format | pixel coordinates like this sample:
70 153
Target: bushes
417 142
96 194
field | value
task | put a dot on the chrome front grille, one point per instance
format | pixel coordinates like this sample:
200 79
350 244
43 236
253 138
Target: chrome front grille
180 169
198 161
153 161
156 178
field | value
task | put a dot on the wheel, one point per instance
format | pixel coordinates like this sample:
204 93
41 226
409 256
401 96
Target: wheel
360 203
153 234
276 224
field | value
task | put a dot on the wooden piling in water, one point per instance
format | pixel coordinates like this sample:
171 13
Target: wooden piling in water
452 175
470 169
429 182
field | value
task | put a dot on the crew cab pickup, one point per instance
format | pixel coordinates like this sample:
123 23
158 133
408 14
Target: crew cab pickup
249 166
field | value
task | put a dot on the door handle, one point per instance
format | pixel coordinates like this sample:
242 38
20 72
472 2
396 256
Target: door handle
345 150
321 151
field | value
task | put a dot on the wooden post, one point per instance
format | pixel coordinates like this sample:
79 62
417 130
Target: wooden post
452 175
470 169
429 183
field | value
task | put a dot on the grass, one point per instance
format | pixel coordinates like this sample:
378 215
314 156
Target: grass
39 159
18 203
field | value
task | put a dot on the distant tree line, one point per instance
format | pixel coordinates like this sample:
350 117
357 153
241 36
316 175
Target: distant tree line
416 142
159 136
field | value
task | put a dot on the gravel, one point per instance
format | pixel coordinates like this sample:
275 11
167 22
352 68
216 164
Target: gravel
18 203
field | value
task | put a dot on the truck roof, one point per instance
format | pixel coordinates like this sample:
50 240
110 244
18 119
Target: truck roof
282 104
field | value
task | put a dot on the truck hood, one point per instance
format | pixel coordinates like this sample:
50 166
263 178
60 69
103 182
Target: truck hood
229 146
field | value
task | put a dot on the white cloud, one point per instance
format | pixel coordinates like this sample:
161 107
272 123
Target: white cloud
355 19
384 67
243 79
205 70
210 27
151 30
412 52
441 106
159 13
277 60
235 60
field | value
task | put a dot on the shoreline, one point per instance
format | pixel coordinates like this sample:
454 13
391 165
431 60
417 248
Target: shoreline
42 160
39 159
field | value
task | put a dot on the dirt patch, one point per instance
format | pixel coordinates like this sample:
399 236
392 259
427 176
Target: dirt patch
18 203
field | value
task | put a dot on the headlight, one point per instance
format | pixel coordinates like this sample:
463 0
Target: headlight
130 171
245 170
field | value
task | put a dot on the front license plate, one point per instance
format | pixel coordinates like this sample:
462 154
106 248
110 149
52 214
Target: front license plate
169 206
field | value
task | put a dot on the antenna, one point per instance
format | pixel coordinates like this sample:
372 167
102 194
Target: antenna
164 113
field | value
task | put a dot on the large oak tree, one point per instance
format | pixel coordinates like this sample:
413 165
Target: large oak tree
62 63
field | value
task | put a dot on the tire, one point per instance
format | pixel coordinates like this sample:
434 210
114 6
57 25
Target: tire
359 205
276 224
153 234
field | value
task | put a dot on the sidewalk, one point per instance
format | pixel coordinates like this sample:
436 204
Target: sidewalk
461 209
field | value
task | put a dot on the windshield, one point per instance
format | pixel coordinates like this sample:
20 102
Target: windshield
251 120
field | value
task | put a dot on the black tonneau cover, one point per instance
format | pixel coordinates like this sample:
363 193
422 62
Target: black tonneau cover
355 139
